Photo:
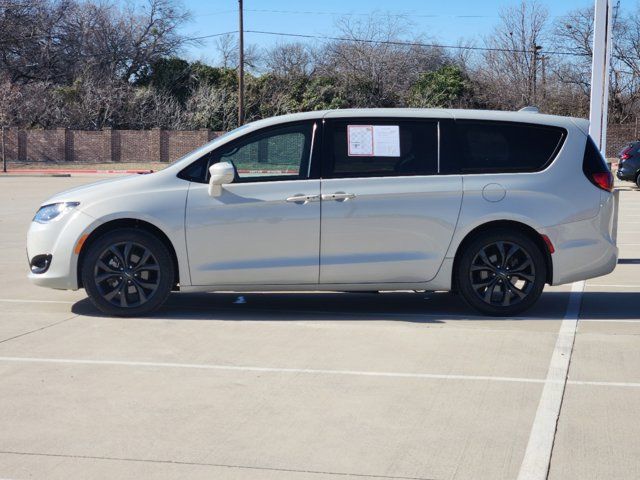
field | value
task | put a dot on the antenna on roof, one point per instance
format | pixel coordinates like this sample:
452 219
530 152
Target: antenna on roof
530 109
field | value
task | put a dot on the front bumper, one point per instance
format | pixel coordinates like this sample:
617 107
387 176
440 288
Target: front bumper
57 239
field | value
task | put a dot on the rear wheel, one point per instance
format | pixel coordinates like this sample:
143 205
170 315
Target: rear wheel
501 273
638 180
128 272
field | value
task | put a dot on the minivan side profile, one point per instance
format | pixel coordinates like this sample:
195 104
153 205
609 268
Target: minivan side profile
493 205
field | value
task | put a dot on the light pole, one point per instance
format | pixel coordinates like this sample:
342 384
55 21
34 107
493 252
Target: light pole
599 99
240 66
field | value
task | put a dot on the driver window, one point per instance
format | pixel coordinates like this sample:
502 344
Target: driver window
278 154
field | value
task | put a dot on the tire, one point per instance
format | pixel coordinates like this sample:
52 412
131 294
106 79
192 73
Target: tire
501 272
137 287
638 180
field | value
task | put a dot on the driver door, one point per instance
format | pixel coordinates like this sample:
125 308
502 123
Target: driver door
260 230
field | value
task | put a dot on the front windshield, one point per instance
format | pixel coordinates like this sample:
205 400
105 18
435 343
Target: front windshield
207 146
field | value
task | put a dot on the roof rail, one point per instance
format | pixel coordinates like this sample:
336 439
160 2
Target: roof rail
530 109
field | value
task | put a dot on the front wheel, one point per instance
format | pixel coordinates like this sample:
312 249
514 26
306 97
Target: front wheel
128 272
501 273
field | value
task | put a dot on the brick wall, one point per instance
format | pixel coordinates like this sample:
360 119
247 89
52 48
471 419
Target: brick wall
142 146
102 146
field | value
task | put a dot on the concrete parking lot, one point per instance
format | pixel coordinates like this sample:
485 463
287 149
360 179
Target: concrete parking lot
312 386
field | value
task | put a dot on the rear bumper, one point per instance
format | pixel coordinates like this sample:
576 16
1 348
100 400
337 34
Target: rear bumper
626 173
584 249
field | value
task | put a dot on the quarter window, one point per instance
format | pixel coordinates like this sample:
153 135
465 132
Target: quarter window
490 147
374 148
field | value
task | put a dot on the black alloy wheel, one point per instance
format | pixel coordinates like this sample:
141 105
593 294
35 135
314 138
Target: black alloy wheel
128 272
501 273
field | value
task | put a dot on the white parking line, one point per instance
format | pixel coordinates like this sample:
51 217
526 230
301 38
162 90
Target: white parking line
604 384
535 464
234 368
312 371
17 300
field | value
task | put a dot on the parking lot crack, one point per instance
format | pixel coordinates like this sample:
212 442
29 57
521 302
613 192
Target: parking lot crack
38 329
218 465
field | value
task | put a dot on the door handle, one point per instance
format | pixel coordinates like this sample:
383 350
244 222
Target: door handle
338 196
303 199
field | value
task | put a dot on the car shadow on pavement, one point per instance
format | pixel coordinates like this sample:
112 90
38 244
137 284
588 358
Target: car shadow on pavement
628 261
420 307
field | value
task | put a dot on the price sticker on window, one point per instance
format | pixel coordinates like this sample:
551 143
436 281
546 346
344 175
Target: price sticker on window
373 140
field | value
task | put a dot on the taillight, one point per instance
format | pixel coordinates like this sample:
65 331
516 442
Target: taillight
626 153
604 180
595 167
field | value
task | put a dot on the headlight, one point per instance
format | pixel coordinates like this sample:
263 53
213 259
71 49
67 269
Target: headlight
54 211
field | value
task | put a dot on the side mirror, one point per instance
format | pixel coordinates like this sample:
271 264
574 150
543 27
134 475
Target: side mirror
220 174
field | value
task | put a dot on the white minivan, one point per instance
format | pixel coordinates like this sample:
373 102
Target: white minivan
493 205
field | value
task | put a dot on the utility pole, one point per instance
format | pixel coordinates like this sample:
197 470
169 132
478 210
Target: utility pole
543 60
534 76
240 66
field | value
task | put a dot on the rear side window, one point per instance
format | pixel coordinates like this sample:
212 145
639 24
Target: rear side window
380 148
492 147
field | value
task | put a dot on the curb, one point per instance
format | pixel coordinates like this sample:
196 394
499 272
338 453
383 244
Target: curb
69 172
33 175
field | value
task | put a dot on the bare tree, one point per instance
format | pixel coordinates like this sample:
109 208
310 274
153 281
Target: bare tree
49 40
372 63
31 36
573 35
290 60
212 107
510 68
229 53
227 48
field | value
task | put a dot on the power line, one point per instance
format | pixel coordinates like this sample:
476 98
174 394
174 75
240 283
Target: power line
212 35
404 43
219 12
413 44
410 14
382 14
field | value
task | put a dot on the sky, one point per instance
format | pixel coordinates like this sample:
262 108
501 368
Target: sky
446 22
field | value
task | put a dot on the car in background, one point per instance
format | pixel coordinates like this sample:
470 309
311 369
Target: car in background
493 205
629 163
